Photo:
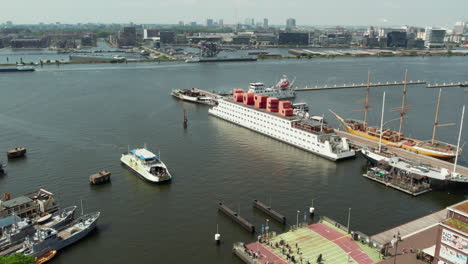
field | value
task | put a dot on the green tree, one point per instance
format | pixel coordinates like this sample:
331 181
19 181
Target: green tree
17 258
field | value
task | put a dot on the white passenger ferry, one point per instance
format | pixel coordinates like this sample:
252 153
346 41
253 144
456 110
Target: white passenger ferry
284 123
282 90
146 164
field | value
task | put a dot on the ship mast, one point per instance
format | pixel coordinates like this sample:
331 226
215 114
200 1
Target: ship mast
436 117
403 105
458 144
381 123
366 102
436 121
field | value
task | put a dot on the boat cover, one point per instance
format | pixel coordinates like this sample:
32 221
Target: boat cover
143 154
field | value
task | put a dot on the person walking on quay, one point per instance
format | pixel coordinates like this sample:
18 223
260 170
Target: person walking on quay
319 258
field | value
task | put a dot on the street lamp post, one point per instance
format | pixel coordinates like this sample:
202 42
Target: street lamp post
349 218
396 250
297 218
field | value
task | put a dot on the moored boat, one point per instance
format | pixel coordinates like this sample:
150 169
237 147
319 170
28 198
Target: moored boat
432 148
19 68
59 219
46 257
147 165
16 233
49 239
192 95
282 90
17 152
283 121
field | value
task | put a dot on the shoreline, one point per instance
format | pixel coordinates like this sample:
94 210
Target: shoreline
260 58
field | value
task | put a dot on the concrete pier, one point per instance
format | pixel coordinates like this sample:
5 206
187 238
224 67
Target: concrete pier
362 85
236 217
267 209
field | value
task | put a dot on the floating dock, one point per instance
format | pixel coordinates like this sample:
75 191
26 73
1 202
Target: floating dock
360 142
233 215
415 191
362 85
267 209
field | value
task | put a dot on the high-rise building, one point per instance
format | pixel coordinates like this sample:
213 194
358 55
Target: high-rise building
265 22
167 37
221 22
459 27
127 37
209 22
397 39
434 37
150 33
250 22
181 23
291 23
371 32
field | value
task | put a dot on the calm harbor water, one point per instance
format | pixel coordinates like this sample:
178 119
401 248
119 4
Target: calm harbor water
77 119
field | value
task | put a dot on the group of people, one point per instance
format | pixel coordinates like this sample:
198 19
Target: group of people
293 253
252 253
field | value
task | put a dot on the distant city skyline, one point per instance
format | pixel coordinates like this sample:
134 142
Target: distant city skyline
353 13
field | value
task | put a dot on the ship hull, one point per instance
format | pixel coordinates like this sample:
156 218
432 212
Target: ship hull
291 140
137 169
190 99
416 149
201 60
17 70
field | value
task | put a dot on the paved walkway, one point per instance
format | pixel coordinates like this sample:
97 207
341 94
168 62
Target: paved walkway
411 227
343 241
266 255
418 241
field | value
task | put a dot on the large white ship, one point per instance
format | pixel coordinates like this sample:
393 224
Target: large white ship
279 120
282 90
146 164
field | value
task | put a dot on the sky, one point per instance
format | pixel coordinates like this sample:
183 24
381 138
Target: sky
306 12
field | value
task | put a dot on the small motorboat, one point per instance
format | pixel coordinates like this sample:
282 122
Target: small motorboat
46 257
44 218
16 153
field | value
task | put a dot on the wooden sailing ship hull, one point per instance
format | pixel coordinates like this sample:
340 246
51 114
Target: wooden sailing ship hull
415 148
